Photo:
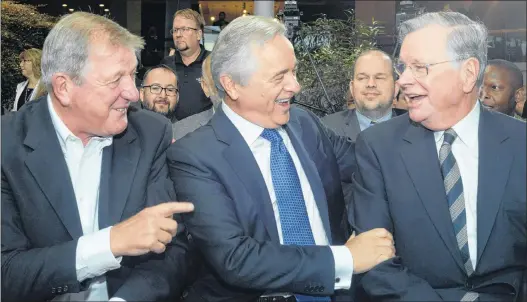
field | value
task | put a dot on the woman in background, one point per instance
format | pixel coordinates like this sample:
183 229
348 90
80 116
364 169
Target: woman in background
30 68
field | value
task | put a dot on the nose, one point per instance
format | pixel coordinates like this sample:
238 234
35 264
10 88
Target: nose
129 91
371 82
292 85
405 79
483 95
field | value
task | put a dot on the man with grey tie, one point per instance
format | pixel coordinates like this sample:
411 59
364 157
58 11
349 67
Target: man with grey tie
448 179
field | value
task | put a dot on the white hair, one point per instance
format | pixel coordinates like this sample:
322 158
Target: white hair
67 45
468 38
233 52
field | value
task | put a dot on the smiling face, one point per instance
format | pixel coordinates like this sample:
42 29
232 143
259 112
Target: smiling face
160 103
265 100
447 94
497 92
373 86
98 106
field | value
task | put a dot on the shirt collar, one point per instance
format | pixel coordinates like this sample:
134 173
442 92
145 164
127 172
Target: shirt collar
364 121
466 129
249 131
62 130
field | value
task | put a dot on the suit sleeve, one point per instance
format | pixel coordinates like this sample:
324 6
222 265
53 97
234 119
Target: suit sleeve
159 276
239 259
29 273
390 280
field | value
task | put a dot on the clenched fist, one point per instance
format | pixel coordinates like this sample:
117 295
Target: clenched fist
148 231
370 248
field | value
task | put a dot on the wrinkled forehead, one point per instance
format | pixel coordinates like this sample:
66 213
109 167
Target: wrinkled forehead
427 44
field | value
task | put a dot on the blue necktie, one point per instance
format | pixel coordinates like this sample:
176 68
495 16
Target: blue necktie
290 199
456 202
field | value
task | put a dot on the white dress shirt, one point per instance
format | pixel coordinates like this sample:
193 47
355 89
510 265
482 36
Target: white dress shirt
93 255
466 151
261 149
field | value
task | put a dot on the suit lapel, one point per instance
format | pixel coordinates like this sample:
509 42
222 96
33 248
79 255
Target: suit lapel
419 155
294 130
495 161
248 173
125 157
352 127
47 165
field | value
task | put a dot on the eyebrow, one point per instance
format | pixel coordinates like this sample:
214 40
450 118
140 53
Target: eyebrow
376 74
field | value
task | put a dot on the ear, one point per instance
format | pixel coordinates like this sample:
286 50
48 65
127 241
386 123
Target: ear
141 94
62 86
200 34
519 95
230 87
469 74
351 89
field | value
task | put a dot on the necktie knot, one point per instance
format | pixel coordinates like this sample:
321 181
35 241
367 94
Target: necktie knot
449 136
272 136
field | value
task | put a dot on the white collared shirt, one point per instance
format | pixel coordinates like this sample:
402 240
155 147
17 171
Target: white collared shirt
93 255
466 151
261 150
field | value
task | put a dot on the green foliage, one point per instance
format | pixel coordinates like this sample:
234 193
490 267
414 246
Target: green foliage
334 45
22 27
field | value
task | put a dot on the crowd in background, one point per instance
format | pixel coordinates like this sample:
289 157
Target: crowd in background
200 181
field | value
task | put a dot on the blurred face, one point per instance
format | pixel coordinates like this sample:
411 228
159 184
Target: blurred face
497 93
26 67
265 100
222 16
447 94
520 97
188 36
154 97
99 106
373 85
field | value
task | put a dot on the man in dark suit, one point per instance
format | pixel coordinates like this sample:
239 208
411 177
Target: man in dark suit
448 179
79 169
372 87
265 181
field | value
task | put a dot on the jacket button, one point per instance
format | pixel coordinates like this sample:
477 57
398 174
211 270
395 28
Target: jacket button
337 280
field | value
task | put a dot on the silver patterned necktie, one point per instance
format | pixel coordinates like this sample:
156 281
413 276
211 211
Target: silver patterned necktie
456 202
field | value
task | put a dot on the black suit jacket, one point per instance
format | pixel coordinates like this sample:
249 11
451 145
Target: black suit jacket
234 225
40 219
346 123
398 186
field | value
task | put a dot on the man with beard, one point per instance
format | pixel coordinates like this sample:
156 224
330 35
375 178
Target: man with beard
373 89
187 31
159 91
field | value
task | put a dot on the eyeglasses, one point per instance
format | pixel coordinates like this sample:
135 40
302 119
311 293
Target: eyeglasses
156 89
183 30
418 70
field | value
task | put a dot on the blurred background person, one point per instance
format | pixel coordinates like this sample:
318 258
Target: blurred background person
187 32
372 87
159 91
400 101
30 68
501 82
221 22
521 96
193 122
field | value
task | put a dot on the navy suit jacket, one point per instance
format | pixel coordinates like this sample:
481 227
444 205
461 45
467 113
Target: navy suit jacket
233 224
40 218
398 186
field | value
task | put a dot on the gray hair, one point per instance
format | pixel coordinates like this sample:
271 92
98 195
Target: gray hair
468 38
67 46
233 52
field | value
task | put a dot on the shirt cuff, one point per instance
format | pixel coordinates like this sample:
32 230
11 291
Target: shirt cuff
94 256
116 299
343 267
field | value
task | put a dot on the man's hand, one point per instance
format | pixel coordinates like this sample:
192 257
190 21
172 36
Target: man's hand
370 248
148 231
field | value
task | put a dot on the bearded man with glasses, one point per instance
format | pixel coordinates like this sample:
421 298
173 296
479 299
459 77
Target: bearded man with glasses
159 91
187 32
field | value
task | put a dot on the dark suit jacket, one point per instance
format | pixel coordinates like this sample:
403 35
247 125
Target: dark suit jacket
346 123
40 219
234 225
398 186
